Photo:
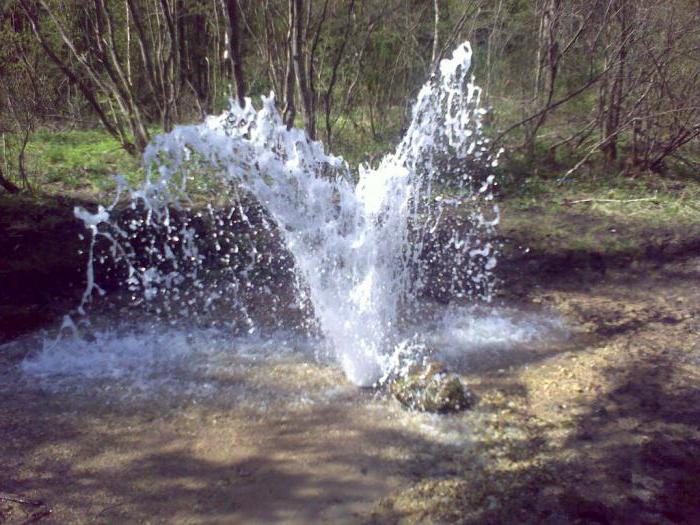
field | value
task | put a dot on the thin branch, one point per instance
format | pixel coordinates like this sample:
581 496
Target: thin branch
553 105
623 201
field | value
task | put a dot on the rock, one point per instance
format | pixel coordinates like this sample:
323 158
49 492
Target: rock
431 388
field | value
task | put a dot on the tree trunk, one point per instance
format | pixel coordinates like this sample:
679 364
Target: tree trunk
290 110
547 70
328 95
436 34
86 81
7 184
305 95
614 96
234 42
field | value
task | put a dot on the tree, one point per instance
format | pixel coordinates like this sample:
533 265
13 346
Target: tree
94 67
302 59
234 48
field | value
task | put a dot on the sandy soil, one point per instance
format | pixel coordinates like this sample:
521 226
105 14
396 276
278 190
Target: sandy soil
601 428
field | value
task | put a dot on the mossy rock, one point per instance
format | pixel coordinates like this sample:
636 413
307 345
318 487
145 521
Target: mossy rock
431 388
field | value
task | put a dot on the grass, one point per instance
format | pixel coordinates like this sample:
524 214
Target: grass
542 220
653 199
84 161
613 215
353 139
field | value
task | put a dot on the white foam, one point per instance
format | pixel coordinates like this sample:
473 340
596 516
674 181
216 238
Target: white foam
357 248
152 360
470 329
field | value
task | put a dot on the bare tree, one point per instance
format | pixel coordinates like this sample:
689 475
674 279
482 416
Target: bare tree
549 55
233 12
436 33
611 90
332 81
159 45
23 101
289 77
298 43
92 62
89 79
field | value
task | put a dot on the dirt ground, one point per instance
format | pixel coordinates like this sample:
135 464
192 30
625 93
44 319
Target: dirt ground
601 428
604 429
193 465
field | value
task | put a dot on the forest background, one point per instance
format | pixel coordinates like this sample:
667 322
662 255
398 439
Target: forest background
571 88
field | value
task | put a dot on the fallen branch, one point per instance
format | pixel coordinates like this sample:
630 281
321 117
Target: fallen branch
110 507
610 200
16 498
35 517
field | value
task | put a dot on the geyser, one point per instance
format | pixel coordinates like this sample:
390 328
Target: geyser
362 253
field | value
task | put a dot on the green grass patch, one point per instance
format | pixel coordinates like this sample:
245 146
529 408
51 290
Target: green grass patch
648 198
611 214
589 211
84 161
354 141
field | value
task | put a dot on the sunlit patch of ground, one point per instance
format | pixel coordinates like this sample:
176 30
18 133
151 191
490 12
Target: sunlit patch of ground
196 427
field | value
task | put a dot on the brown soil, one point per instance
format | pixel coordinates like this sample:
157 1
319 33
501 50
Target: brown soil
41 267
601 428
92 464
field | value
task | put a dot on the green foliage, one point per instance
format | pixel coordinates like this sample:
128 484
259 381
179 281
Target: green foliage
78 160
365 61
356 143
612 215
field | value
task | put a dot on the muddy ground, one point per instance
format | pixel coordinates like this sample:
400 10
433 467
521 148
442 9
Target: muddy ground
601 428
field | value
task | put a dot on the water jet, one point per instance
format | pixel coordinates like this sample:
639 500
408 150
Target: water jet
245 228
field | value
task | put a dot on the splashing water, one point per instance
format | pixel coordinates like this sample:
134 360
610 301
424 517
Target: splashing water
234 207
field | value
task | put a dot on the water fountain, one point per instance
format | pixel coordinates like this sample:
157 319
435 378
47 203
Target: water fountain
358 249
245 226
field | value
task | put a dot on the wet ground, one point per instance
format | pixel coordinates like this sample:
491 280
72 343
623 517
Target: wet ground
602 426
197 428
92 463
